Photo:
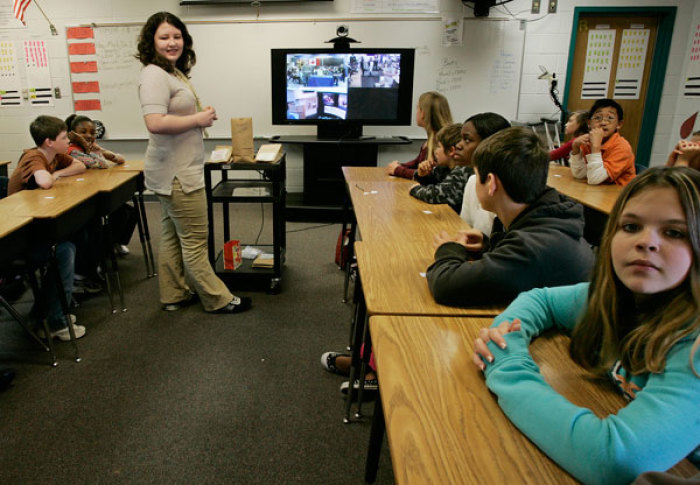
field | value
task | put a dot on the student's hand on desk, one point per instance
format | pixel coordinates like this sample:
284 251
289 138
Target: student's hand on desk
391 168
472 239
495 335
425 168
443 237
114 157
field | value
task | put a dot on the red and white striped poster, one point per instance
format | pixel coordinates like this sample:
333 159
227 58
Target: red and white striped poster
82 60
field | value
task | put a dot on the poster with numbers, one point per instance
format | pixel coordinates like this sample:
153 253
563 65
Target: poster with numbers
596 74
10 85
691 85
36 60
630 63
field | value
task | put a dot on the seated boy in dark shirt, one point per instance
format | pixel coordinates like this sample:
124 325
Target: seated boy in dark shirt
443 183
541 243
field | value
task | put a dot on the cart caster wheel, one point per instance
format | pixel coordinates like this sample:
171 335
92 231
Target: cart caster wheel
275 287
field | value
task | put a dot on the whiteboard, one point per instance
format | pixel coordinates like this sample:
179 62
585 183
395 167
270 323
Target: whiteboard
232 73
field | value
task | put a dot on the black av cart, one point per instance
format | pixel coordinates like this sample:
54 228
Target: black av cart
266 185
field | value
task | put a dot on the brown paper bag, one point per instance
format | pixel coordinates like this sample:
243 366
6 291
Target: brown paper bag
243 148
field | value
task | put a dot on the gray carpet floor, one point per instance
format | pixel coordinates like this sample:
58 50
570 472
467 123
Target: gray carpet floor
190 397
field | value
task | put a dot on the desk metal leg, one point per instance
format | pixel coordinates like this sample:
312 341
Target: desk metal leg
350 259
356 301
366 352
360 323
105 241
113 272
343 228
34 283
63 302
20 319
144 235
376 437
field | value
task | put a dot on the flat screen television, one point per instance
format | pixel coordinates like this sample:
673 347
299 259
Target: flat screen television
341 90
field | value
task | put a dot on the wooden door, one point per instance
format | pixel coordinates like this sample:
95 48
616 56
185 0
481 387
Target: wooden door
633 108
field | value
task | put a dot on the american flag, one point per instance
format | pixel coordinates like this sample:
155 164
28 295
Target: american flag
20 6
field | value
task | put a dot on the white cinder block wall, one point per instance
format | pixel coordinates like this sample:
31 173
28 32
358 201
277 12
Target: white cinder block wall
546 43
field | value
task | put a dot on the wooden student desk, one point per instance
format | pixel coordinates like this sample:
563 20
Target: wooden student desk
394 283
385 211
598 197
137 166
371 174
113 187
130 166
59 211
397 247
597 200
445 426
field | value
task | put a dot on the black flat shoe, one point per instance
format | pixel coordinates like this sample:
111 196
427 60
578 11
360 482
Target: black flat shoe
237 305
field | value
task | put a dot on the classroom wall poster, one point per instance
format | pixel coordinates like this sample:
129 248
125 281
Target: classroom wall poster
7 16
691 87
596 76
82 60
395 6
10 84
630 63
36 61
452 28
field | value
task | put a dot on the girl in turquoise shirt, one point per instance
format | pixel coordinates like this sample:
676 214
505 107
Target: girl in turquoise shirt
638 322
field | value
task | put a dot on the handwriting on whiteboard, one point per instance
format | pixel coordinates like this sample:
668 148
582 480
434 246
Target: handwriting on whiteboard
451 76
503 75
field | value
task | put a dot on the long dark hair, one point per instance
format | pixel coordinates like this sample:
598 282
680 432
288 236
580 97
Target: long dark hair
147 50
611 327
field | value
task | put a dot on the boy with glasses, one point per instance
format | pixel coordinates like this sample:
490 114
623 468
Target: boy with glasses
603 155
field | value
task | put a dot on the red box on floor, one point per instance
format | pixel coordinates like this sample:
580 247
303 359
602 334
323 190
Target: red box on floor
232 254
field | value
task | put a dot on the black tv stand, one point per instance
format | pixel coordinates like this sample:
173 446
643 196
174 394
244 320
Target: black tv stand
339 131
324 186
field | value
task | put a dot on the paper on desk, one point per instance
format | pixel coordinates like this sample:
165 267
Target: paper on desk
249 252
220 155
251 192
264 260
